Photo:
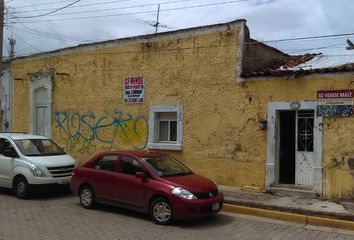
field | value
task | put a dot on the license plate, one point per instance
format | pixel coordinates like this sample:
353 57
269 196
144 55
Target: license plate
63 182
215 206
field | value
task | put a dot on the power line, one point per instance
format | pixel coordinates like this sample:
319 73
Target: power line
54 36
28 43
311 37
64 38
111 9
42 4
95 4
71 39
90 4
56 10
141 12
47 35
318 48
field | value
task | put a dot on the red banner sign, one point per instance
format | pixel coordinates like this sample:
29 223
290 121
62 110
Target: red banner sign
333 94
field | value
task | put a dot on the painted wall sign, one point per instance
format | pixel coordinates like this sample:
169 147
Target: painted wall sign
332 94
335 109
134 90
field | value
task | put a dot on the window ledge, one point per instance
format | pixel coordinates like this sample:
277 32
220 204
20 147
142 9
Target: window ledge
165 146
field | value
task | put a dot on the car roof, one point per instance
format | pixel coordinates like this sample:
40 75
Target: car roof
18 136
137 153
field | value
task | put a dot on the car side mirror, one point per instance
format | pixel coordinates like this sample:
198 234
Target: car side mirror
141 175
10 152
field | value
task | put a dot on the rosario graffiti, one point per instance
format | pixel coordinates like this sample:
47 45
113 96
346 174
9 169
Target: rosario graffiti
82 132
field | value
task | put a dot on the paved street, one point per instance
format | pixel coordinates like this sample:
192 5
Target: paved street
58 215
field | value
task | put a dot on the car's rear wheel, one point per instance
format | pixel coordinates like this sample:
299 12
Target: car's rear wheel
161 211
21 187
87 197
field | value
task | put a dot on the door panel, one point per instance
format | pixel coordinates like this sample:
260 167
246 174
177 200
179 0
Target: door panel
130 190
104 177
41 105
103 183
40 120
304 147
127 188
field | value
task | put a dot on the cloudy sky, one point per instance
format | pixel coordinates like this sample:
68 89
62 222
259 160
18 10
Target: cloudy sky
43 25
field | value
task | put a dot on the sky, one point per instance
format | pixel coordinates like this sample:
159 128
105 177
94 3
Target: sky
45 25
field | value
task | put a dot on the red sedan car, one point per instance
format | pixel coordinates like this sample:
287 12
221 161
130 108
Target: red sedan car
146 181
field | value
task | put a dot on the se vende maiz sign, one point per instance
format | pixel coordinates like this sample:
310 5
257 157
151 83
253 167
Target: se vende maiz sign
335 94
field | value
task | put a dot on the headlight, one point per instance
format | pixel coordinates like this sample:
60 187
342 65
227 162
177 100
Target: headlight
183 193
36 171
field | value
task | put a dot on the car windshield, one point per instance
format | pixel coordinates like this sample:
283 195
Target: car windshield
38 147
165 166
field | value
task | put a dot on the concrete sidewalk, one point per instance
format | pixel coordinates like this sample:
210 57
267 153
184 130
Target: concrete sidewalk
293 208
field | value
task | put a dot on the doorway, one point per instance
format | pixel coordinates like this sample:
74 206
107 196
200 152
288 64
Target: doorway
40 104
294 145
287 127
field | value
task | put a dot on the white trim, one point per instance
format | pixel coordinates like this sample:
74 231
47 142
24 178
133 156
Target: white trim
38 81
239 53
273 148
153 127
165 146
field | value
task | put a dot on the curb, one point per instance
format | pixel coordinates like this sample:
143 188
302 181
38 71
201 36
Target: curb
308 212
291 217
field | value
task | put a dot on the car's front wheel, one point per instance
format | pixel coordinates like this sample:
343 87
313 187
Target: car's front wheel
21 187
161 211
87 197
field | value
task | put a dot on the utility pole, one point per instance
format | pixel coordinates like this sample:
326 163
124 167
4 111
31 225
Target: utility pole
157 19
2 6
12 43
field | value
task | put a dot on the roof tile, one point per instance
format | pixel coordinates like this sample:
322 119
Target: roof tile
290 66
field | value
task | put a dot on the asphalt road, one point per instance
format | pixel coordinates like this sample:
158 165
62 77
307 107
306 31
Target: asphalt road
58 215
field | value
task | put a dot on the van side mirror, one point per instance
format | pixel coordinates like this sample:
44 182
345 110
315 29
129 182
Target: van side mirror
10 152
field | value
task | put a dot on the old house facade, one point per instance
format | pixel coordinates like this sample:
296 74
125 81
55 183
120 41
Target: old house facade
198 94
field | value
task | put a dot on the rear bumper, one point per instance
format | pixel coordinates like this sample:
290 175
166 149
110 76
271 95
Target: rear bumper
186 209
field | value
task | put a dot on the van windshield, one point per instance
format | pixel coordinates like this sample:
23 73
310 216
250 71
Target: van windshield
38 147
165 166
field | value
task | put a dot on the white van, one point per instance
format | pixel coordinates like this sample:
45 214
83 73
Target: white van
27 160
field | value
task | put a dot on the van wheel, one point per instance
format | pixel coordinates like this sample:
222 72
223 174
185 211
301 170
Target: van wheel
161 211
21 187
87 197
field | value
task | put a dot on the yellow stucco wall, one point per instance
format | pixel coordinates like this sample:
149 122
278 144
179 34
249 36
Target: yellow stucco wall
221 138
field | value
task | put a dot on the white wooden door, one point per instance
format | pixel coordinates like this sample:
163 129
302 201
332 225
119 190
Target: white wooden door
304 148
41 112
